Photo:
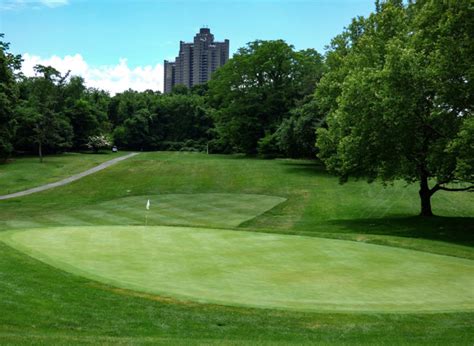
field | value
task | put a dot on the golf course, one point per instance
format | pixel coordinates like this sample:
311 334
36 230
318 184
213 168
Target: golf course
230 250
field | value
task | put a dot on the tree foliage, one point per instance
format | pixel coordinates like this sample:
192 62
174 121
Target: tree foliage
9 63
255 90
398 97
86 110
41 120
151 121
296 134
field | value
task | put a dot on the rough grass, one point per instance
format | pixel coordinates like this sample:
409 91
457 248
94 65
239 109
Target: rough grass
45 305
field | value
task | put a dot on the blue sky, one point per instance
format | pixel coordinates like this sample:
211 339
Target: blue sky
106 35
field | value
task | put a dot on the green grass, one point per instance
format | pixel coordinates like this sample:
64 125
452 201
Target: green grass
224 210
42 304
256 269
205 209
27 172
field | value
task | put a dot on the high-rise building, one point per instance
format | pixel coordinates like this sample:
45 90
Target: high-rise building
196 61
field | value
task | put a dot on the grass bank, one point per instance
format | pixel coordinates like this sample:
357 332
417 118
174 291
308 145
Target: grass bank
22 173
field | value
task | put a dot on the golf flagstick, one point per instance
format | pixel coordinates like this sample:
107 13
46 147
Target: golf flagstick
146 214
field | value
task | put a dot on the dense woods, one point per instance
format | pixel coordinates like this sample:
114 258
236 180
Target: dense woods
391 99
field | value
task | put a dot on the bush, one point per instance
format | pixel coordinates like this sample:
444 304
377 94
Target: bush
220 146
99 142
188 145
268 147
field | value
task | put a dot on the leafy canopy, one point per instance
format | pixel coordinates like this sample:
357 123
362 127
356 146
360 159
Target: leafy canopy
255 90
399 96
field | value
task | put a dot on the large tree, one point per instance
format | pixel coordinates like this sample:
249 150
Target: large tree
399 96
9 63
40 112
255 90
86 110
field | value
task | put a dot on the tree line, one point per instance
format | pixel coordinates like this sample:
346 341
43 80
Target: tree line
51 113
391 99
260 102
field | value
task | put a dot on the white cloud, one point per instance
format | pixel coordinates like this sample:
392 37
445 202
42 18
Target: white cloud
35 4
11 4
112 78
54 3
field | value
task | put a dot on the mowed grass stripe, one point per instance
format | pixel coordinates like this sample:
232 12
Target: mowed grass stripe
101 217
173 216
158 214
16 224
223 210
63 219
217 210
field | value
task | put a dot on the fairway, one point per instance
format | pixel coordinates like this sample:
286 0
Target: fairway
256 269
199 209
219 210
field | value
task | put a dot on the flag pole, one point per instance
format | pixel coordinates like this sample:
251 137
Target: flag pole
146 212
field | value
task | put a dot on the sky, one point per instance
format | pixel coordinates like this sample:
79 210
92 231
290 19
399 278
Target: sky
119 44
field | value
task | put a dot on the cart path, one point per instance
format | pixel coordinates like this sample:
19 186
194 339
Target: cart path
69 179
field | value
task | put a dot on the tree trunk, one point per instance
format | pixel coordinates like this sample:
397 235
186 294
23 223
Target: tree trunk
40 151
425 197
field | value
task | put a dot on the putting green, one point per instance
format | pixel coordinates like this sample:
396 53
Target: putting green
256 269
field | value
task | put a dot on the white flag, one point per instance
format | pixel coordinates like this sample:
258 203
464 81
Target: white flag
148 205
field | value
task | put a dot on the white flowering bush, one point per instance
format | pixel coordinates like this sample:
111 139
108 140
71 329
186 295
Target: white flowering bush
96 143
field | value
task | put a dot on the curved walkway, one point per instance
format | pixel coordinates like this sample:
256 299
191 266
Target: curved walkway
69 179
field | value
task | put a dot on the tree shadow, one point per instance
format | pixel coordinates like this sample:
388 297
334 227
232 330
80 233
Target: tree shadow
305 168
458 230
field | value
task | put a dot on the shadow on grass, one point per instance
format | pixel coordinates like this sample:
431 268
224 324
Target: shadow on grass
305 168
458 230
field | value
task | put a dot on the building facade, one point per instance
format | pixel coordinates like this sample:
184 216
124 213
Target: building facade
196 61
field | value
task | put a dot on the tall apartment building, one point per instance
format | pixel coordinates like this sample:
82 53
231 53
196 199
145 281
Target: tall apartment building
196 61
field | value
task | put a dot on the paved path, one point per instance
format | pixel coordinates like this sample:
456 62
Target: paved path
69 179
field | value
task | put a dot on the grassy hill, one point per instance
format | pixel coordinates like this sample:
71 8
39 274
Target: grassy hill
26 172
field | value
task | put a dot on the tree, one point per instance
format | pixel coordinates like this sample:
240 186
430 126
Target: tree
135 132
254 91
182 117
40 115
296 135
9 63
152 121
80 111
84 122
399 99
